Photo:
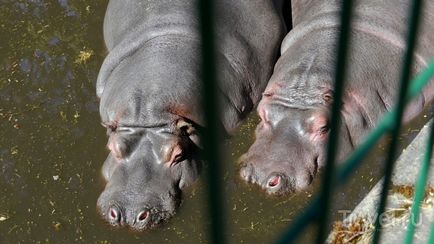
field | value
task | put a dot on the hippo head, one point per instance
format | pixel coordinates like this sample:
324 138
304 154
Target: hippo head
145 171
291 139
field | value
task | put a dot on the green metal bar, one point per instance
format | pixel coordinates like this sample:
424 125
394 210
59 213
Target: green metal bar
431 238
420 187
301 222
333 141
355 159
211 111
404 83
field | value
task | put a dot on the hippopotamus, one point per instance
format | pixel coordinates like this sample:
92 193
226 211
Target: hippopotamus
149 87
291 138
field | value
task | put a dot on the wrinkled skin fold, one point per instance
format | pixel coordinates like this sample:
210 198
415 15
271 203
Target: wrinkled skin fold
292 136
150 91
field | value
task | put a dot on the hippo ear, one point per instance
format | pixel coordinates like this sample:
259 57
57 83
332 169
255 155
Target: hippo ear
188 129
117 146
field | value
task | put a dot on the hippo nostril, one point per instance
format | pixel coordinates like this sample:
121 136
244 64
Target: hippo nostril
274 181
276 184
114 215
142 216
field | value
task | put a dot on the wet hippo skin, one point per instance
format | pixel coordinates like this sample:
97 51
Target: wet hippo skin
149 87
295 108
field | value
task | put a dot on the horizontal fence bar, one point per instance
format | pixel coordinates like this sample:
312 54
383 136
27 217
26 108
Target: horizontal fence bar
333 142
355 159
396 128
210 136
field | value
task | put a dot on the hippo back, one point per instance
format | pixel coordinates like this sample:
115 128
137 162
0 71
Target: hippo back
151 75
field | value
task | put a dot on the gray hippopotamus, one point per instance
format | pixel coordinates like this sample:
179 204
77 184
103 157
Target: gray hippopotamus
150 91
291 138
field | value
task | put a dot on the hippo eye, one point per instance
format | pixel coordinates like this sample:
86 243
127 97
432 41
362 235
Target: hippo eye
142 216
328 97
324 129
267 94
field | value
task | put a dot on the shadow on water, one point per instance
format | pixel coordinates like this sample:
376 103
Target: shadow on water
52 145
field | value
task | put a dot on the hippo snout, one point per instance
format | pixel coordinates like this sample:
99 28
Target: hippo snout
273 183
277 177
134 218
135 211
118 217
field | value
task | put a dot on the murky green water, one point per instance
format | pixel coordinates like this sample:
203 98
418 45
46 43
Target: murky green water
52 145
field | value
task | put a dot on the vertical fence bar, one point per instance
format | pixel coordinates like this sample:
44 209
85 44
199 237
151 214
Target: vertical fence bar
332 145
431 238
301 222
355 159
404 81
211 111
420 187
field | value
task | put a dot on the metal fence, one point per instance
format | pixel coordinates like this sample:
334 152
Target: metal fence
318 210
